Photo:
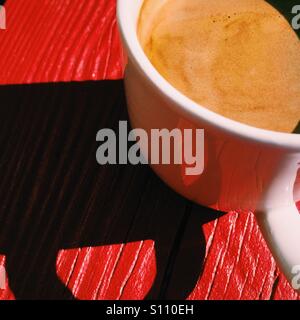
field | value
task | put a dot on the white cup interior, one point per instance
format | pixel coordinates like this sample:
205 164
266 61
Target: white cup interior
128 15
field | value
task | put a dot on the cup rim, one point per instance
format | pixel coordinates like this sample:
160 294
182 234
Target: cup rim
128 31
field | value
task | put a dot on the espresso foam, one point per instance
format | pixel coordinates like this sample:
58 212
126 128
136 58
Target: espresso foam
239 58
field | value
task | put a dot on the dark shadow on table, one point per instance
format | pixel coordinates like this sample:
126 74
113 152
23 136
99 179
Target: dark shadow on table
54 195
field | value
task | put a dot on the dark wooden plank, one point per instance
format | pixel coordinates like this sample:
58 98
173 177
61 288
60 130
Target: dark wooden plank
54 195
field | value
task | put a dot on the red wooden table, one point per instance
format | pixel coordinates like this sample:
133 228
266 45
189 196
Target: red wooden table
188 251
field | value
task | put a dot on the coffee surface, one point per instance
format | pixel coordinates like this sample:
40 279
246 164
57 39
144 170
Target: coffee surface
239 58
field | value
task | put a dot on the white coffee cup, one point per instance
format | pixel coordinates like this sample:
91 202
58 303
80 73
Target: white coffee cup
247 169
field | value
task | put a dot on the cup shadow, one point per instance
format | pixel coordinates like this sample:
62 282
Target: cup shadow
54 195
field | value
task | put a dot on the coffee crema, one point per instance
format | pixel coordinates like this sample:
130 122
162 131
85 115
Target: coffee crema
238 58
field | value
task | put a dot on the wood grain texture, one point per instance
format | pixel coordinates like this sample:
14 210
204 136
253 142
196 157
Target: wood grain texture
60 40
106 232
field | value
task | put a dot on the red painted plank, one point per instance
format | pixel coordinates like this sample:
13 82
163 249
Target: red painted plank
64 40
60 40
108 272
